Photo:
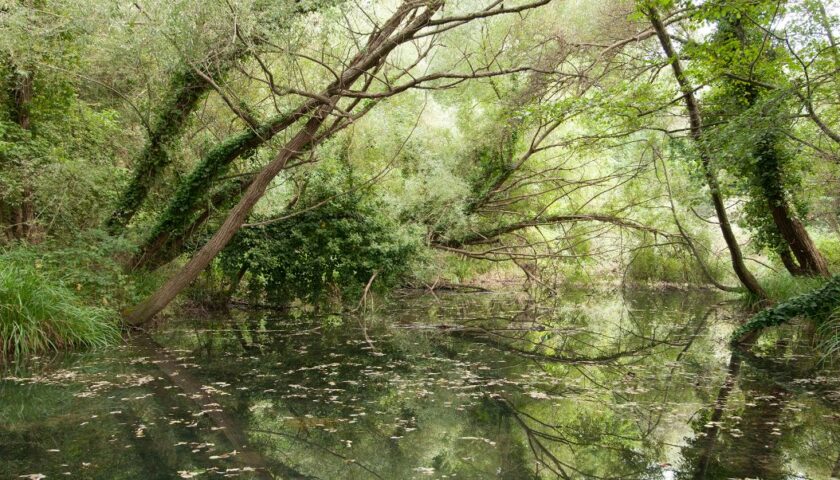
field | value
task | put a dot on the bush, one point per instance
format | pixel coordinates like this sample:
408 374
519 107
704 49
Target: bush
332 250
39 314
817 304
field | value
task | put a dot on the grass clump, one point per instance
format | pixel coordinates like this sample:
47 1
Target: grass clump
780 288
828 334
39 314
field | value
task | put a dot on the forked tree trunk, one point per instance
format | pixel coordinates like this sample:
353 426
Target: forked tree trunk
696 126
769 175
789 262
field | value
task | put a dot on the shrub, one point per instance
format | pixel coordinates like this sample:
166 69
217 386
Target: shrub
817 304
333 249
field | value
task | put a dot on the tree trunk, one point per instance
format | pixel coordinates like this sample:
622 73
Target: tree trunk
695 121
380 44
22 216
811 261
789 262
186 88
165 245
768 174
157 301
192 190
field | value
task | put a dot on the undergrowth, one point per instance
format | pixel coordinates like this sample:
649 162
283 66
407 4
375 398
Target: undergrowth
780 288
828 336
819 305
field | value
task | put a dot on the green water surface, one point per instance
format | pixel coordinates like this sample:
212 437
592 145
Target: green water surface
632 384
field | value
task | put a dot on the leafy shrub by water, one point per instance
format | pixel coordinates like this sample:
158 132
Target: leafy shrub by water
38 314
817 305
336 249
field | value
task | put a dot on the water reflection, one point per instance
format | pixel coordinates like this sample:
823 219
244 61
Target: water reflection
603 385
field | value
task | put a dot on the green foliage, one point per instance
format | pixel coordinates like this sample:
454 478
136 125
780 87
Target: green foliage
215 163
782 287
816 304
89 265
39 314
828 333
666 264
186 89
829 245
336 247
494 164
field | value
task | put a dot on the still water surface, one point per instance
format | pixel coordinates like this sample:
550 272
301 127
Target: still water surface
633 384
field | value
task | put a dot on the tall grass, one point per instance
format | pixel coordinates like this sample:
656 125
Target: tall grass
39 314
828 333
780 288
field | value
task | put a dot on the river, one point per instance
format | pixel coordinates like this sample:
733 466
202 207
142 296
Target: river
636 384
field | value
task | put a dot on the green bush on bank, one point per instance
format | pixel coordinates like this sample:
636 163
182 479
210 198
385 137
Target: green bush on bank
818 305
334 250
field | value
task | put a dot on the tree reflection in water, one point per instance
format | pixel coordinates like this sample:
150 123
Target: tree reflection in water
466 386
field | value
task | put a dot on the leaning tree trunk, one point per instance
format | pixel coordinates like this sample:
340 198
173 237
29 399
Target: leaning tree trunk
811 261
186 88
165 294
381 43
192 190
789 262
768 175
695 120
165 245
